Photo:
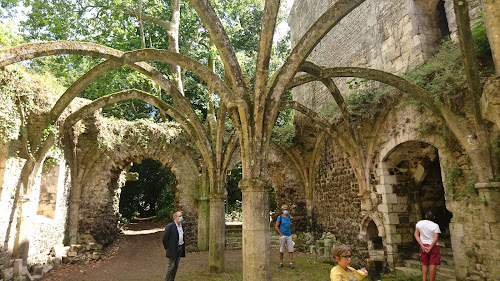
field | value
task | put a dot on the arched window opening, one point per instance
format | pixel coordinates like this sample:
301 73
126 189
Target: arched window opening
48 188
373 237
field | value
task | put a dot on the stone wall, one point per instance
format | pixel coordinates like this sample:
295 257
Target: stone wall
337 207
99 182
394 36
45 229
8 225
289 188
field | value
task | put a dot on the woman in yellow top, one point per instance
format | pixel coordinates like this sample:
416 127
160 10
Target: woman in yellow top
343 270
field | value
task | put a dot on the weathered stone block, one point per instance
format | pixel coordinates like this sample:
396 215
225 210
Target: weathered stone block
389 198
384 208
18 267
7 274
391 218
384 188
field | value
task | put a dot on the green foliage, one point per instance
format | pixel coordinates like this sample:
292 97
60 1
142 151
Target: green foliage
357 83
7 38
480 38
118 132
22 93
151 194
300 242
452 177
393 277
283 135
443 76
496 145
273 205
361 102
284 129
233 191
427 129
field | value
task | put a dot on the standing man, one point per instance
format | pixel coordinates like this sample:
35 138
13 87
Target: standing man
283 228
427 235
173 242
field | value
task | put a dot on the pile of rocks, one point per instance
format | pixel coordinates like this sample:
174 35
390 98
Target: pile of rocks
20 272
83 252
323 246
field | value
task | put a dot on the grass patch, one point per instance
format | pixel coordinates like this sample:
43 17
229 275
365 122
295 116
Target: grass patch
307 268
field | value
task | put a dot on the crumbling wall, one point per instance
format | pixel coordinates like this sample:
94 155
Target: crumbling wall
111 148
394 36
337 208
289 187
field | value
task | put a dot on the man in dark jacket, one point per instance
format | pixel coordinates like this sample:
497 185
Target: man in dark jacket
173 242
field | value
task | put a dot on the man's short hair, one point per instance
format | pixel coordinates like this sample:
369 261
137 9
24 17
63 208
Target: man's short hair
176 214
429 215
284 207
340 249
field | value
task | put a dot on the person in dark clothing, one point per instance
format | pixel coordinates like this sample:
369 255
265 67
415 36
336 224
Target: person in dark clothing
173 242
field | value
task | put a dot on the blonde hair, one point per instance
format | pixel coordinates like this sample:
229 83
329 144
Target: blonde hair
284 207
340 249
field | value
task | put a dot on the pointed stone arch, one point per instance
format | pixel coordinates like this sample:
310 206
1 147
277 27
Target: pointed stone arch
97 178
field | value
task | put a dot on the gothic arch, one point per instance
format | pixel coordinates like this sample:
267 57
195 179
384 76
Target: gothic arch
99 179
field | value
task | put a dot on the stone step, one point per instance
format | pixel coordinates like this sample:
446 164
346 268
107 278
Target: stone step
444 270
406 271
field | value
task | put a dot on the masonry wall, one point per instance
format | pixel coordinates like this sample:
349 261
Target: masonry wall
99 167
336 206
12 168
289 188
45 231
50 224
390 35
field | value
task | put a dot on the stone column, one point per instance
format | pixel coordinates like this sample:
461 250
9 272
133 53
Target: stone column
74 211
23 229
256 236
309 209
217 231
203 223
490 192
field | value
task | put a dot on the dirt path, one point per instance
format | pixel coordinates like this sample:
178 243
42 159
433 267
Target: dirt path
137 255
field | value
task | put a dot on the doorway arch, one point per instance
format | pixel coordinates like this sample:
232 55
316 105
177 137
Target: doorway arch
413 183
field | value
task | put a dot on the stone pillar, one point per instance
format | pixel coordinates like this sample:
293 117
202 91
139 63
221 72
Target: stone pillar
366 200
217 231
23 229
390 219
490 192
203 223
74 211
256 235
309 209
4 152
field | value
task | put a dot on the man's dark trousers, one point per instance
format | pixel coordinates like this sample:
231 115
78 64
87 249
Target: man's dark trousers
173 264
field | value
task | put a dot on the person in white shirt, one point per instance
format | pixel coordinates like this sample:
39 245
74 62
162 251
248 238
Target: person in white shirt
173 242
427 235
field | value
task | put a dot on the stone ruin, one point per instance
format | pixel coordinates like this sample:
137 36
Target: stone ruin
72 209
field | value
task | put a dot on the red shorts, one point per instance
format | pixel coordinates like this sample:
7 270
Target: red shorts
433 257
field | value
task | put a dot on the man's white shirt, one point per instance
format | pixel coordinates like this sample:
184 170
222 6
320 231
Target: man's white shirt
427 229
181 234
